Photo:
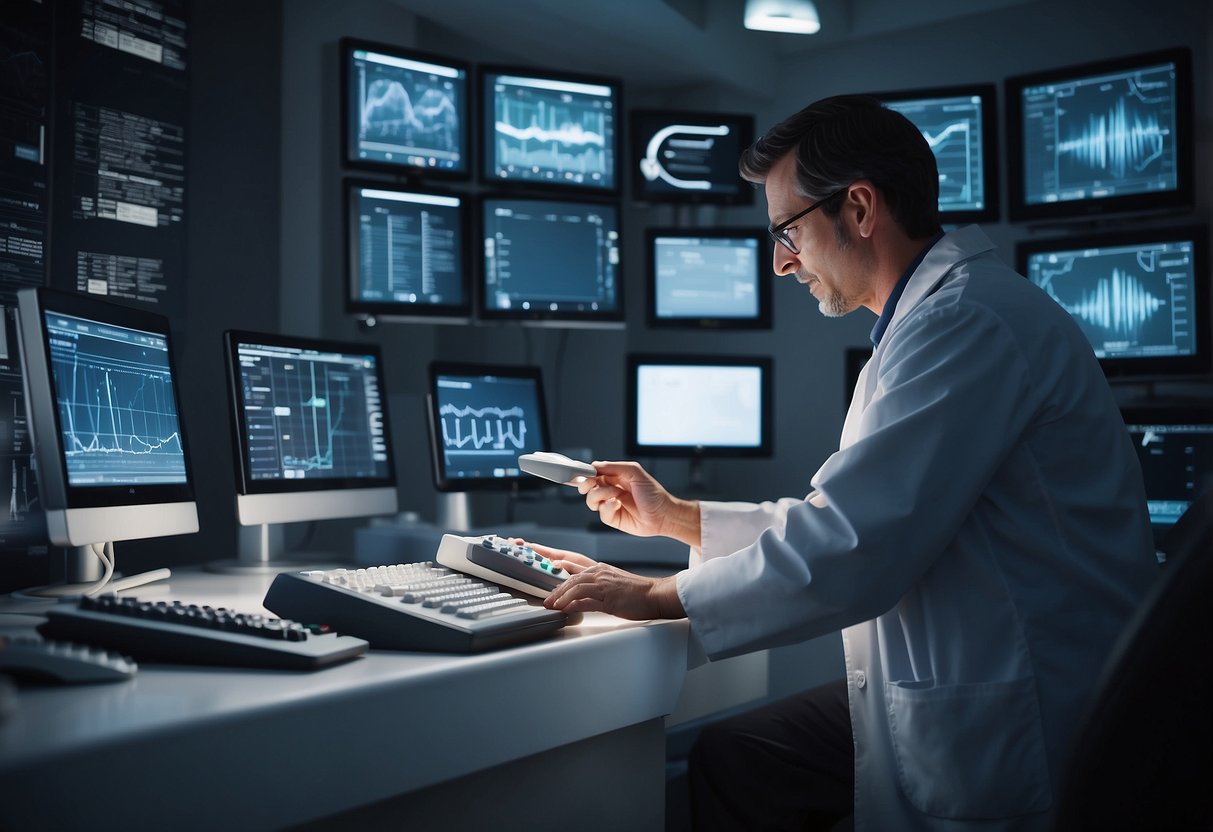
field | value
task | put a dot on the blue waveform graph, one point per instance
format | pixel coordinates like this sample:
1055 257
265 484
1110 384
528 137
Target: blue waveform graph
1110 136
553 134
1119 305
118 420
485 429
1130 301
1117 142
390 115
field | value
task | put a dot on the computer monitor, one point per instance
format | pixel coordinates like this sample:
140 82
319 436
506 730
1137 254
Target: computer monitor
698 405
105 419
1175 446
311 437
958 124
1141 297
481 418
550 129
550 262
406 111
1101 137
718 278
690 157
407 254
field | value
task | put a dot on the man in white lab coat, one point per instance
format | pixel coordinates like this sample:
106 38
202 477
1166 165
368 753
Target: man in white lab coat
981 535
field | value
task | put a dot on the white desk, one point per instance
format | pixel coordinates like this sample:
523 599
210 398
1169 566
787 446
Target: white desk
180 747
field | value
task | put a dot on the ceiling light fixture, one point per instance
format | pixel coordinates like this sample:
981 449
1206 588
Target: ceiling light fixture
796 16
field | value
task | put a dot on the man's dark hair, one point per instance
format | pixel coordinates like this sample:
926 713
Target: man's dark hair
849 137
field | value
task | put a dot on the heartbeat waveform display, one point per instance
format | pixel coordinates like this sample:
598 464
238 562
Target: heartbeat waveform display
118 419
483 429
1130 301
1116 141
1098 137
553 135
390 114
1119 305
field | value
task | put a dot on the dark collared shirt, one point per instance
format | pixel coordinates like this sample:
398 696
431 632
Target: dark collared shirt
890 305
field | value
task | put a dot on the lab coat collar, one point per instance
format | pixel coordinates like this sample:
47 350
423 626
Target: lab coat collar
952 250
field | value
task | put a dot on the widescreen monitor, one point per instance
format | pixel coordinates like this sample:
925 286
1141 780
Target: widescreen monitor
549 129
550 262
717 278
1109 136
1175 446
1141 298
311 429
481 418
698 405
690 156
405 110
407 253
959 125
104 412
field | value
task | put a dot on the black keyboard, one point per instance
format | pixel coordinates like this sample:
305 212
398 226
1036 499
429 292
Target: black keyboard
177 633
413 606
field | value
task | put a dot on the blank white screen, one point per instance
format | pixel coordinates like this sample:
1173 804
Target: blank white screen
691 405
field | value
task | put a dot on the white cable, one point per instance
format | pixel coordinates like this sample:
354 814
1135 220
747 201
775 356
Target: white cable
106 583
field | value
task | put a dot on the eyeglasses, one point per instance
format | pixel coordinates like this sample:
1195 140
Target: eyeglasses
779 233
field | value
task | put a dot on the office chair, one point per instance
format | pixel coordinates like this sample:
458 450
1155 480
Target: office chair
1143 756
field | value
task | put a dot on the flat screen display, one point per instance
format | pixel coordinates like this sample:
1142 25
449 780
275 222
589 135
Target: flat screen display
709 278
551 261
405 110
1175 447
959 126
550 129
309 414
407 253
690 156
1141 298
698 405
482 417
1109 136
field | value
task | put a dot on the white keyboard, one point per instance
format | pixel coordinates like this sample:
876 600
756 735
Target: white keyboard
414 606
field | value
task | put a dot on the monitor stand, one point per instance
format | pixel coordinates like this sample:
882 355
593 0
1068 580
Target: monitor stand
454 511
261 550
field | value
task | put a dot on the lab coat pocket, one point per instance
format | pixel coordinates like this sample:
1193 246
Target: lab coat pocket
970 751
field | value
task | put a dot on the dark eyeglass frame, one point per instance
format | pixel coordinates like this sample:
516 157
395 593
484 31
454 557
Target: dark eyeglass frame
779 233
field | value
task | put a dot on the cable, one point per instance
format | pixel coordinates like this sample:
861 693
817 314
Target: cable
104 553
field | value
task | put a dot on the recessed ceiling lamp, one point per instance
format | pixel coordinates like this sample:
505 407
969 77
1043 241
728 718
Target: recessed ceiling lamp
796 16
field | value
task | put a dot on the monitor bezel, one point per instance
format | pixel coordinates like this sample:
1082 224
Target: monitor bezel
245 484
766 365
1181 198
448 485
762 320
639 139
346 48
422 313
486 129
1196 365
614 319
55 489
989 128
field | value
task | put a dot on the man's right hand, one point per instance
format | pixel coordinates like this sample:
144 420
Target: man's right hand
627 498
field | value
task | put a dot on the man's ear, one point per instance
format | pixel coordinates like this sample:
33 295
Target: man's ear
863 199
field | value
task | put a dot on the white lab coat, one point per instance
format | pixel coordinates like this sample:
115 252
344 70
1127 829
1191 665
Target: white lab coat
981 535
